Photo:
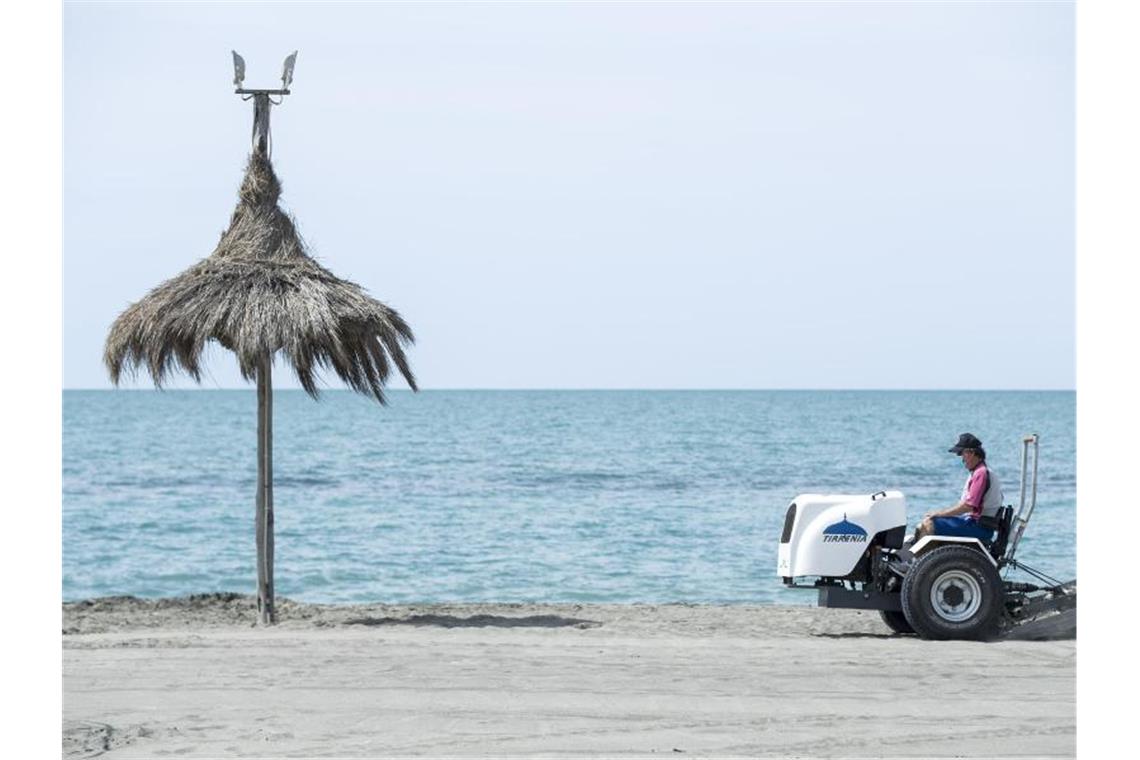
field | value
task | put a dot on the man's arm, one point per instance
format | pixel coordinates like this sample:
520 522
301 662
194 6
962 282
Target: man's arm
975 492
960 508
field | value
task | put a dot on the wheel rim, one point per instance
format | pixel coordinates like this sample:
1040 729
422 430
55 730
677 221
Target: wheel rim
955 596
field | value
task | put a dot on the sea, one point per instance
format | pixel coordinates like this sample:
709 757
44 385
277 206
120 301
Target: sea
622 496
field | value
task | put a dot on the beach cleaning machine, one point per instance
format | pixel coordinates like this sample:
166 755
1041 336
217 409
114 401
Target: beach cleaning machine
854 551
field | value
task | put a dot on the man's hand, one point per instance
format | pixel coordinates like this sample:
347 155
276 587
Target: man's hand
960 508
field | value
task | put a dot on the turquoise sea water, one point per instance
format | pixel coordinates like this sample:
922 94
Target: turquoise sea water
591 496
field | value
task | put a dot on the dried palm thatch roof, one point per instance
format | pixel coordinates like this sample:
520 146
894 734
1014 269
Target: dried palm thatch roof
259 292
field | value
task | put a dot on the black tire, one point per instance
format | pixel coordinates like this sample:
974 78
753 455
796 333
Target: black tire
953 592
896 621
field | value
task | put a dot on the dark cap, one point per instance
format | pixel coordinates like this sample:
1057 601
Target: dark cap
965 441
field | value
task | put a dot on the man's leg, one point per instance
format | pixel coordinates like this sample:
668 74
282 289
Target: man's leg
959 525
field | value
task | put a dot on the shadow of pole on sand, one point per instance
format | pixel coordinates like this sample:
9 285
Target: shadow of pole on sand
478 621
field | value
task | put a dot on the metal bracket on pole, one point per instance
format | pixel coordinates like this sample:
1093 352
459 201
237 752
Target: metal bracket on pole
261 123
261 99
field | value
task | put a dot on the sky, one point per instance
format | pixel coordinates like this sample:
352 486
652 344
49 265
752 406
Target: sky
606 195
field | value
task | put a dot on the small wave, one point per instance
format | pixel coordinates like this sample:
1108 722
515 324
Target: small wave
596 480
167 482
305 480
554 481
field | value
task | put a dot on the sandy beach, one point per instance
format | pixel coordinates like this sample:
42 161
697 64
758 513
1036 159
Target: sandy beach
191 677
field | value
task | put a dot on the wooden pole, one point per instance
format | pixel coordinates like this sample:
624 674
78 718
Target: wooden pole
261 105
266 612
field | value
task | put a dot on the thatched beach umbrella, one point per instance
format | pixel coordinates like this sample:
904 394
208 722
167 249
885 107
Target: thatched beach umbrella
260 294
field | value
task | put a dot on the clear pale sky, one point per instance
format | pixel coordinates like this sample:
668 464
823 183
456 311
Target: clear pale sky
808 195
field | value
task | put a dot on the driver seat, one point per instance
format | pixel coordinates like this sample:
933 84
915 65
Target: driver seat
1001 524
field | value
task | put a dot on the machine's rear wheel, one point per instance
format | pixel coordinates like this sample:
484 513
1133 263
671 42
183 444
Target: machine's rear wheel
952 592
896 621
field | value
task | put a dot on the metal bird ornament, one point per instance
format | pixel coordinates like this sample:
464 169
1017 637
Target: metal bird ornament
287 71
239 69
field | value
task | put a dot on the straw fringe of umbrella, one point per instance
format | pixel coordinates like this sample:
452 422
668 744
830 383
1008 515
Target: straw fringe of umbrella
258 293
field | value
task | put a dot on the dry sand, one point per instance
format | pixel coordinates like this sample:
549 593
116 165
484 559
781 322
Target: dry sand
191 677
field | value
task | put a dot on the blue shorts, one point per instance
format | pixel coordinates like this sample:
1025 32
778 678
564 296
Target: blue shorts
961 525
